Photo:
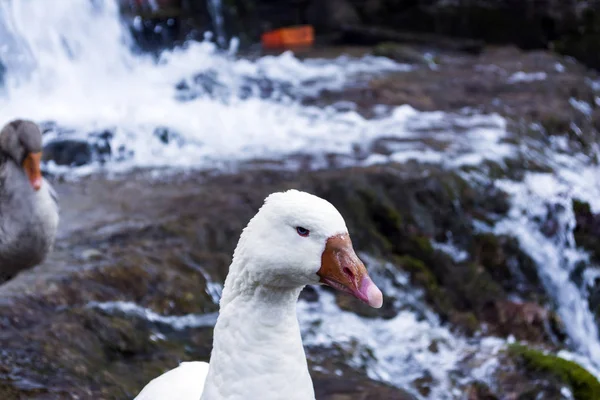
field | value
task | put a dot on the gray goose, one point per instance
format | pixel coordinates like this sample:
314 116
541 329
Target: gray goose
28 204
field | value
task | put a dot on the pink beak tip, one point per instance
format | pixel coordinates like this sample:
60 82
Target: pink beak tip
372 293
37 184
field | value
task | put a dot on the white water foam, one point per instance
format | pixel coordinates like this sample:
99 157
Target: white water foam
409 346
176 322
78 70
556 255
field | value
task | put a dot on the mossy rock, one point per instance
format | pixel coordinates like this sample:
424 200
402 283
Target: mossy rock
583 384
502 257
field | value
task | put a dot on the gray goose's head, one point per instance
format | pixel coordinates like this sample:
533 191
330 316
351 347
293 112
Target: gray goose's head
21 141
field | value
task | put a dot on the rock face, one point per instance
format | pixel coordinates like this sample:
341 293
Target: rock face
569 27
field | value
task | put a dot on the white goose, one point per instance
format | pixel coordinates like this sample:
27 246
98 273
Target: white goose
294 240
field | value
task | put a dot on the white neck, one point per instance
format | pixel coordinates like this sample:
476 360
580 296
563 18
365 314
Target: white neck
257 345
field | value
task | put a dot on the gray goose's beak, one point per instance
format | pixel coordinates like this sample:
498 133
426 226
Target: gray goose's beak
31 165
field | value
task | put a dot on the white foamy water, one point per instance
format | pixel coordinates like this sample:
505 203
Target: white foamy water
400 350
71 63
176 322
536 199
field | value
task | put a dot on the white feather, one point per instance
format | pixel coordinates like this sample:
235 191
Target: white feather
185 382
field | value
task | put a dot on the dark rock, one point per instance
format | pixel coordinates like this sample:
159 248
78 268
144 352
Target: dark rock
336 380
480 391
525 321
587 230
329 387
400 53
53 126
68 152
349 303
166 135
3 73
309 294
594 298
373 35
331 15
100 142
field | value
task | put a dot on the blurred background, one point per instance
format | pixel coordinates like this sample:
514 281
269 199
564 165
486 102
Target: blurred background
459 139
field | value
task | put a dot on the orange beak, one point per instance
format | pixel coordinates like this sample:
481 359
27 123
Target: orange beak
31 165
342 269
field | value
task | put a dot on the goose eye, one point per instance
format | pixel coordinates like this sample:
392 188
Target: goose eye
302 231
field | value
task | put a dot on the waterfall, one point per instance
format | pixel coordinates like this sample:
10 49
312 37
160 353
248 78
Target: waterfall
215 8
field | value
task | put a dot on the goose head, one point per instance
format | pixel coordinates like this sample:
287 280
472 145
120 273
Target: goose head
21 141
298 239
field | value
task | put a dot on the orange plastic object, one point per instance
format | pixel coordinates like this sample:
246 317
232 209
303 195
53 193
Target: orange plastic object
292 36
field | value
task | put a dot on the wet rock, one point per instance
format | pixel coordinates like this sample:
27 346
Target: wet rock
166 135
68 152
349 303
334 379
400 53
424 384
49 126
330 15
345 388
525 321
373 35
3 71
100 142
594 298
309 294
480 391
587 230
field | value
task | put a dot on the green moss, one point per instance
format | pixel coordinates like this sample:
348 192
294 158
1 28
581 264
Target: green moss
419 272
583 384
421 246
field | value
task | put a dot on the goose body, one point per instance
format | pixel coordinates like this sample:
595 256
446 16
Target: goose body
28 204
294 240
